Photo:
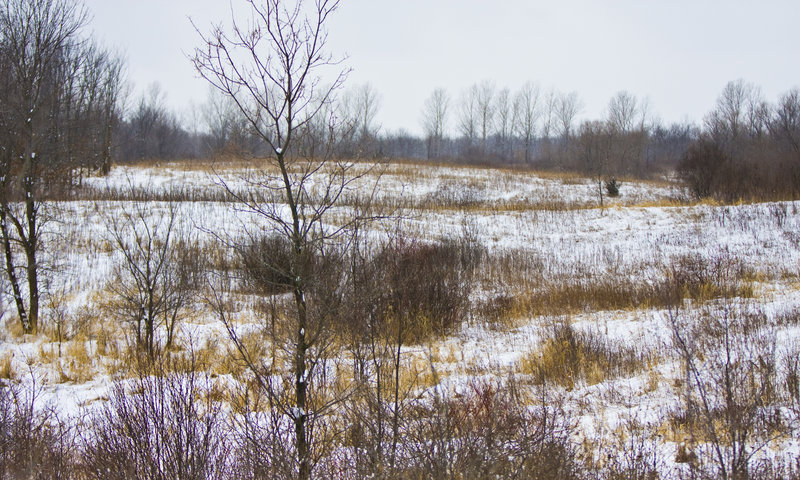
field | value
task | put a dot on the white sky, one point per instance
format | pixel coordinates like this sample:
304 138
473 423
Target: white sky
678 53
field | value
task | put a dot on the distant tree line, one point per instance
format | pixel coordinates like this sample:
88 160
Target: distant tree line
745 148
749 148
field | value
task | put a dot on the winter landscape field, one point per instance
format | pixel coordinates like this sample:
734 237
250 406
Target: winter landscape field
620 325
488 281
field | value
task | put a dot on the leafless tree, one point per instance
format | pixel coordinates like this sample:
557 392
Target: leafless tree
468 114
485 104
151 285
567 107
740 115
528 110
363 103
58 105
550 100
623 110
785 124
729 116
154 128
594 146
434 120
272 69
504 121
228 130
624 127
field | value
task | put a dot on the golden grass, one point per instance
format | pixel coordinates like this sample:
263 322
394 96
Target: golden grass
78 365
6 368
13 329
566 357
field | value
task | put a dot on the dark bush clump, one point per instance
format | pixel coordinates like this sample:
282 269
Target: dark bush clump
424 285
267 264
612 187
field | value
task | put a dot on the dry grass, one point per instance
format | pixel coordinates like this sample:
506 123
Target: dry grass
78 366
530 292
225 359
13 329
567 357
6 368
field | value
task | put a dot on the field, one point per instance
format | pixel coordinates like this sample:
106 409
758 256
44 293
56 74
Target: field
652 325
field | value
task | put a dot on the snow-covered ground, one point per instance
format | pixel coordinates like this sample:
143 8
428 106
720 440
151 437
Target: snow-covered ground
552 219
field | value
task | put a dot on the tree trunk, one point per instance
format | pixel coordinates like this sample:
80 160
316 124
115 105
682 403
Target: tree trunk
31 244
11 270
301 386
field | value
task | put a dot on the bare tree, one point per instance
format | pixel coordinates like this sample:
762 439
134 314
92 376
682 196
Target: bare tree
527 111
434 120
364 102
504 121
785 124
740 115
272 69
486 110
623 112
151 285
567 108
468 115
550 100
228 130
623 108
594 146
154 129
728 119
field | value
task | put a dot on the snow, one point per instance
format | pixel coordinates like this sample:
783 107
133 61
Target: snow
635 237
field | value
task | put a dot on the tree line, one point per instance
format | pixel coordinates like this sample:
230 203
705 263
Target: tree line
745 147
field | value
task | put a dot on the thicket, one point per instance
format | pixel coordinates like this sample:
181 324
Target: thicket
750 149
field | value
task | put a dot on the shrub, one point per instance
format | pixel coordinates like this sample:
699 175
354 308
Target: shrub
164 425
699 168
33 443
267 264
700 278
612 187
729 362
424 286
488 432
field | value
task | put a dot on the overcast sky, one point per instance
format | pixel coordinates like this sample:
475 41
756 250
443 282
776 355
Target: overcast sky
678 53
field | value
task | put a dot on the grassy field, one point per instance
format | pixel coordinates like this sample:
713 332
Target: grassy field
652 325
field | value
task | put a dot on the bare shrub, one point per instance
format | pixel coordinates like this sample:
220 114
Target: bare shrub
164 424
729 399
406 292
267 264
421 288
488 433
425 284
33 443
719 276
450 194
262 439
